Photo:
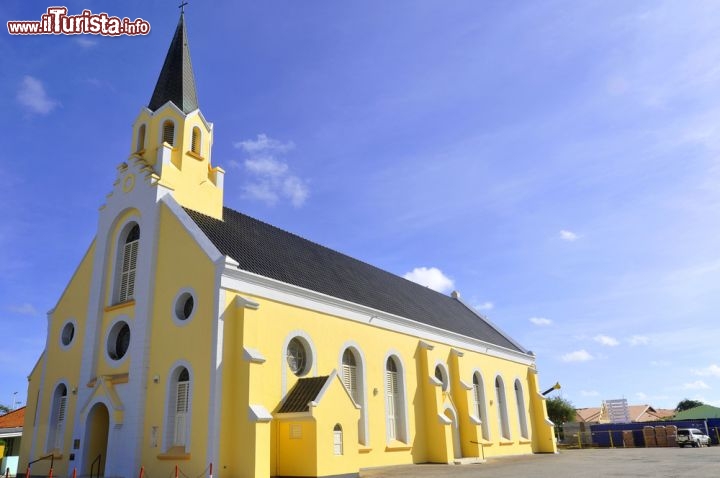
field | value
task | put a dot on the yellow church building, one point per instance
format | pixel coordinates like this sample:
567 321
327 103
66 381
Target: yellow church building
192 335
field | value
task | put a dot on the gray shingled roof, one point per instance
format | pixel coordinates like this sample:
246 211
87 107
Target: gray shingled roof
305 391
271 252
176 82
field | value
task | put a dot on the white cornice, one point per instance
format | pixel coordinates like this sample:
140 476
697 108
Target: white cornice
250 283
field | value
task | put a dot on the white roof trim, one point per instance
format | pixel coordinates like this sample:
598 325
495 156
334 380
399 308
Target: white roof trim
250 283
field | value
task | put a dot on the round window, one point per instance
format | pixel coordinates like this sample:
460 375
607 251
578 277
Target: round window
118 340
184 306
67 334
297 357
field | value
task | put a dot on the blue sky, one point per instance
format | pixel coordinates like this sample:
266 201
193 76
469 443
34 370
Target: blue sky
556 162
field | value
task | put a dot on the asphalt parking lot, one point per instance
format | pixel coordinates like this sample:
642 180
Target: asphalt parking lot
625 462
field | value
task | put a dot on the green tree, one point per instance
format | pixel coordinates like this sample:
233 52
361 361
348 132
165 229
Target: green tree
560 410
4 409
687 404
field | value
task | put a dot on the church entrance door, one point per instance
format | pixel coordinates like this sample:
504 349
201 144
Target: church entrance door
96 438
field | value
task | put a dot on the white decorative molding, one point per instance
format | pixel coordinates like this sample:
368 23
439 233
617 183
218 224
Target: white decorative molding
475 420
465 385
253 356
258 413
424 345
255 284
243 303
444 420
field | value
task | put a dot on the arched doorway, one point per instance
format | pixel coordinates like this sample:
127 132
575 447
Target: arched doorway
457 445
97 427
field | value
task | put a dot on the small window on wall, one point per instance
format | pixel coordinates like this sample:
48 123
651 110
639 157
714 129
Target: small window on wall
337 440
140 139
185 306
169 133
298 357
67 334
118 340
195 146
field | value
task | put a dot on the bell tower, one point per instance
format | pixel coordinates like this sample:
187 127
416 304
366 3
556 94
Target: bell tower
174 139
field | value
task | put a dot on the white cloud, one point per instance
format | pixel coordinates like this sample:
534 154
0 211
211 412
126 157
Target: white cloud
710 371
86 42
267 166
270 177
541 321
606 340
642 395
264 143
639 340
696 385
569 236
485 306
589 393
33 96
23 309
431 277
577 356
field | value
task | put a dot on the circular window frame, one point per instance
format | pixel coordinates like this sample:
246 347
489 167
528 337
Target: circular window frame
112 335
178 304
73 324
307 359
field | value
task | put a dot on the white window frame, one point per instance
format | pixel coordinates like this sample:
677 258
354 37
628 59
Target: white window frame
361 380
161 139
395 402
522 416
480 403
58 417
119 272
178 422
502 408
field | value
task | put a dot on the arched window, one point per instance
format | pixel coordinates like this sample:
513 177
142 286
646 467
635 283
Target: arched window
337 440
178 423
127 265
168 132
394 400
140 139
195 145
57 419
349 374
521 409
502 407
479 404
353 378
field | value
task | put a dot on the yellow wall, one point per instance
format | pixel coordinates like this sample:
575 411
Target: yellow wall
269 327
60 364
180 264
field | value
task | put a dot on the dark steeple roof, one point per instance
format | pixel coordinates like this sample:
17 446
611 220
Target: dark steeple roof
176 82
271 252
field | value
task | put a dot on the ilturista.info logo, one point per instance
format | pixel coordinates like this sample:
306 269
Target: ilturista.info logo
57 22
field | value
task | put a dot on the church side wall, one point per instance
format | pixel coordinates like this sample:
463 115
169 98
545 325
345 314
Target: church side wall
327 335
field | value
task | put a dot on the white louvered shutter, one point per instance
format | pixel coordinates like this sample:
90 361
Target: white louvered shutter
59 427
337 442
181 410
391 385
127 277
349 377
477 400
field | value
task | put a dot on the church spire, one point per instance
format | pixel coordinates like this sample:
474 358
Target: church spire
176 82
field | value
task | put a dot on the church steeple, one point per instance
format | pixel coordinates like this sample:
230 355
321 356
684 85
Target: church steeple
172 140
176 82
